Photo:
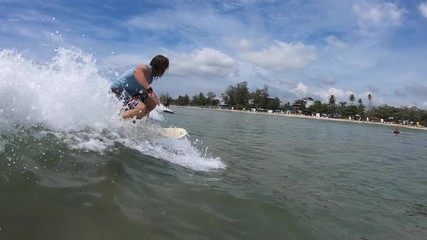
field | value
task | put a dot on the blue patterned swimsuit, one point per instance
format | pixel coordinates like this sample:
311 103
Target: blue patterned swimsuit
128 89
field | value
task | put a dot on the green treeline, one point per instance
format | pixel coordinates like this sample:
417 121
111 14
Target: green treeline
240 98
237 97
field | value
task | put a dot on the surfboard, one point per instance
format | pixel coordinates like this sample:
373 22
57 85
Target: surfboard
168 111
173 132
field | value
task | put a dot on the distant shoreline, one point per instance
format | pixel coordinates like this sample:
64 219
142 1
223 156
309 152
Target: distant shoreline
393 125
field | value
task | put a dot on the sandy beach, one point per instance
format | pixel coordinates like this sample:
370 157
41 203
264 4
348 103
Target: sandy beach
392 125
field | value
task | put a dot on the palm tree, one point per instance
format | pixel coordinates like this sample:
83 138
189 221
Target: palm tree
352 98
332 100
361 108
370 97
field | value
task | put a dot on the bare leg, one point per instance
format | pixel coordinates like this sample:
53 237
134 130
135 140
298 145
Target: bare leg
139 111
150 105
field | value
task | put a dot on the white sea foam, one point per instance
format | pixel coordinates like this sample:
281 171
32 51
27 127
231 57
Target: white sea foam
64 94
68 97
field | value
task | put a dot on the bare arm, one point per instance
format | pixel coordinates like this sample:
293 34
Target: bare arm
140 72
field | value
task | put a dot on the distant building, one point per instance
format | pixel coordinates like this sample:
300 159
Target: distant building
223 105
306 102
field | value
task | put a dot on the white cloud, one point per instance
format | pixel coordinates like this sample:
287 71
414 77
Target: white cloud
380 15
364 97
118 62
238 44
204 63
373 15
282 55
300 90
335 42
210 42
340 95
423 9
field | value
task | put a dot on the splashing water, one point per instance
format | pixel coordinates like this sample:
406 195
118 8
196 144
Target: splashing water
66 94
67 98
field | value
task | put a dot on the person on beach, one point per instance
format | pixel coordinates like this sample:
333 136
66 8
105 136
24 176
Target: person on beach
133 87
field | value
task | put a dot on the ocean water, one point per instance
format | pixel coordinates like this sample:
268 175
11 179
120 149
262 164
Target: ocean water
70 169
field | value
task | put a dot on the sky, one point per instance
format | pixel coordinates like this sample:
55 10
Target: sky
297 48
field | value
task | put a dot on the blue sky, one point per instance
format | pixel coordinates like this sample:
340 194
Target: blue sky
298 48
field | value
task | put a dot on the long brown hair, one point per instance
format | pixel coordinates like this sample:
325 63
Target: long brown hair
159 65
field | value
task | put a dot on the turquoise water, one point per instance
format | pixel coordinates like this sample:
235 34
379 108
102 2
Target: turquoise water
236 176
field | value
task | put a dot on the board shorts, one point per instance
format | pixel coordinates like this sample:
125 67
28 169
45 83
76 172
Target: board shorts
129 102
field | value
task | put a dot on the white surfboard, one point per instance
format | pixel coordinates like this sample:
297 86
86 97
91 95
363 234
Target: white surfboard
173 132
167 110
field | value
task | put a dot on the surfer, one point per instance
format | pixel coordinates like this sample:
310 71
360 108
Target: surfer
166 104
133 87
166 107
